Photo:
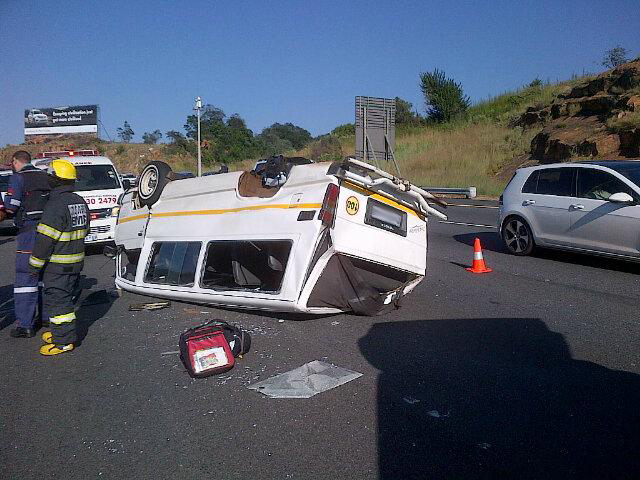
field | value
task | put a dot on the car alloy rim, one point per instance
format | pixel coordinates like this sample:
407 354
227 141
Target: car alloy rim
516 236
149 182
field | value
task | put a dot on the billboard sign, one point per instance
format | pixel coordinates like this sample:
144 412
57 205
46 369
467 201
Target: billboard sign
61 120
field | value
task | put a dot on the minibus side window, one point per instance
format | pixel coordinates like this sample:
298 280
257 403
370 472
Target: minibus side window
257 265
173 263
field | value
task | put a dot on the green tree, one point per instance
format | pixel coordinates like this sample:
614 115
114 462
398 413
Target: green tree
326 149
535 83
271 144
615 56
178 143
344 130
125 132
297 136
405 114
227 140
444 98
151 138
240 143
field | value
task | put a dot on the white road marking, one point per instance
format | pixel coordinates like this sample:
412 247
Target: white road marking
467 224
471 206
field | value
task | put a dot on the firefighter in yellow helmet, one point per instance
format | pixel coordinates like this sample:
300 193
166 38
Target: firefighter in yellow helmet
59 251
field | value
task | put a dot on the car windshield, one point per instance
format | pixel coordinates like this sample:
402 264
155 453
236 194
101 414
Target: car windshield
96 177
630 170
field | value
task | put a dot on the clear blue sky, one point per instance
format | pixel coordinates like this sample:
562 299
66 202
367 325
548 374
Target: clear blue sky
274 61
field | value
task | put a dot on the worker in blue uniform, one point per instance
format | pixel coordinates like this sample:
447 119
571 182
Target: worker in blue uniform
26 197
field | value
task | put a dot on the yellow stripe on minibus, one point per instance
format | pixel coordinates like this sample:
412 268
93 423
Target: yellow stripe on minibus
131 219
224 210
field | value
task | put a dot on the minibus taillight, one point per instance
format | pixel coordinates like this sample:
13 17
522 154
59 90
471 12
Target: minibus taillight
328 210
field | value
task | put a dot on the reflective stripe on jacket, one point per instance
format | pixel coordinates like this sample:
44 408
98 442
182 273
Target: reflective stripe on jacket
60 234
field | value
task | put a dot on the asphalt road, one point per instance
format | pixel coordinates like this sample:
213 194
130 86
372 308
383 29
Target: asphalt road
531 371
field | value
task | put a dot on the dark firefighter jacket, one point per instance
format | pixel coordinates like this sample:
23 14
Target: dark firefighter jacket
27 194
60 233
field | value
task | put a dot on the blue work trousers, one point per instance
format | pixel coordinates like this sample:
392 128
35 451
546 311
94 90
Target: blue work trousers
27 289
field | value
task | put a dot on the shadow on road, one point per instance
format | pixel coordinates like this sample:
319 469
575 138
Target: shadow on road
491 241
91 307
6 306
95 249
498 398
6 240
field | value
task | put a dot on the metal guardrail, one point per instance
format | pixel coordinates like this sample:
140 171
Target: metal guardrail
469 192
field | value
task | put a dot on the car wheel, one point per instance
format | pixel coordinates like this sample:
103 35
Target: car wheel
152 181
517 236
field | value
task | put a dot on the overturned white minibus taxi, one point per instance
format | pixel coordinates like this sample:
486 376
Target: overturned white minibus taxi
288 236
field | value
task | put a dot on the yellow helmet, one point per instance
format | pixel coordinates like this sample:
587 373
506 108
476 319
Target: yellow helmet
63 169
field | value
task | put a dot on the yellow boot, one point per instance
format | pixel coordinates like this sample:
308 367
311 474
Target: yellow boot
50 349
47 337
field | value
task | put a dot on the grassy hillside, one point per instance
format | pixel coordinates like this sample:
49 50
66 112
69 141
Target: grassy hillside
469 151
473 150
128 157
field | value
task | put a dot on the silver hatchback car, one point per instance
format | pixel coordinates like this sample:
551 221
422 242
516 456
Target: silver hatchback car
591 207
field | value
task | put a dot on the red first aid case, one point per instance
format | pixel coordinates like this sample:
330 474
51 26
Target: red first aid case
205 351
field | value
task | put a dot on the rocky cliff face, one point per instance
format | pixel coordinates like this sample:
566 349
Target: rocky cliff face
598 118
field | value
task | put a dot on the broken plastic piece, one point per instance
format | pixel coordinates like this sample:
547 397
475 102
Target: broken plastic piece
136 307
305 381
436 414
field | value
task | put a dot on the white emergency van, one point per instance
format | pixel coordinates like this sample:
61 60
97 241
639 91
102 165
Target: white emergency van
99 184
5 176
288 236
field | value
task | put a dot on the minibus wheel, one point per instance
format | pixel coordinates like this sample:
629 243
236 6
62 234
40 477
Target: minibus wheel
153 179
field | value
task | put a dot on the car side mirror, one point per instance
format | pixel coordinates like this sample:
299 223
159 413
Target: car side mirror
621 197
126 183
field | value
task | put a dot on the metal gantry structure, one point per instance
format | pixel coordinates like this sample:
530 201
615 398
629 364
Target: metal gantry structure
376 130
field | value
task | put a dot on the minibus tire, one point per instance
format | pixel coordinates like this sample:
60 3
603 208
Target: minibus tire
153 179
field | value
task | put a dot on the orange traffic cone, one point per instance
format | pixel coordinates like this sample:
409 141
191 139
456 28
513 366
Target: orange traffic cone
478 260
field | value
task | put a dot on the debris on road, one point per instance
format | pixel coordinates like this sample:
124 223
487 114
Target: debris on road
305 381
192 311
411 400
436 414
137 307
176 352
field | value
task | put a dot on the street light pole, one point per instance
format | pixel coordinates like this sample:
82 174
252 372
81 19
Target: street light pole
197 109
